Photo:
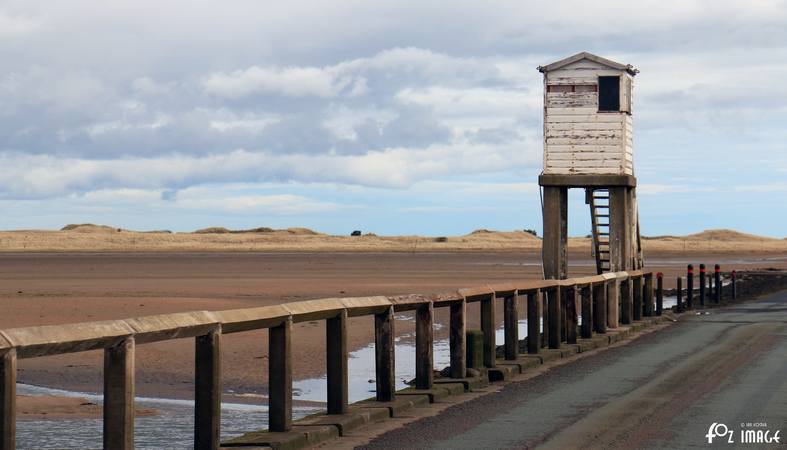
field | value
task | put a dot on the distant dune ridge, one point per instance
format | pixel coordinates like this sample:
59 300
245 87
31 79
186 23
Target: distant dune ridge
92 237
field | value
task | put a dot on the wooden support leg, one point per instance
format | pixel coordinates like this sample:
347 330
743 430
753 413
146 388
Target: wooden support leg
533 322
119 395
620 228
511 326
424 347
384 355
207 390
8 400
280 376
336 357
553 300
555 232
457 344
488 328
586 294
571 314
637 299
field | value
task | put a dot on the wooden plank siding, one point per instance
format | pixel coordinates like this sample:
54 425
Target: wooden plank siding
578 139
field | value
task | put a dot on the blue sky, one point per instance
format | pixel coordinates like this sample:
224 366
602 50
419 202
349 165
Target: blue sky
389 117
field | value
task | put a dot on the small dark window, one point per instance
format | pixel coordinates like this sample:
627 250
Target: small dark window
609 93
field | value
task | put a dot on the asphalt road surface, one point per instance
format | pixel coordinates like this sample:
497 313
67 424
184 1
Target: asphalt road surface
664 390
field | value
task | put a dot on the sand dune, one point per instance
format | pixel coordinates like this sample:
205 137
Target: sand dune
90 237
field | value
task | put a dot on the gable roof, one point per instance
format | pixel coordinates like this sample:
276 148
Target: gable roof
589 56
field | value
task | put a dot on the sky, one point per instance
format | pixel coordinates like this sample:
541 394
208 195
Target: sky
392 117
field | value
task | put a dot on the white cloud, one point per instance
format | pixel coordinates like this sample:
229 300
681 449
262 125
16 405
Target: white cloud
290 81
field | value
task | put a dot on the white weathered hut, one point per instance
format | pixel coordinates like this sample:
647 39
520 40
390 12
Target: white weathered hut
587 116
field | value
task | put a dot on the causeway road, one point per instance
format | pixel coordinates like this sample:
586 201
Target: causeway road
663 390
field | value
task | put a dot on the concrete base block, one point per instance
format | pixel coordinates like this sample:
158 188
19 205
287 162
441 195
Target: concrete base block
355 418
584 345
469 384
436 393
396 408
503 371
299 437
549 354
520 364
568 350
601 340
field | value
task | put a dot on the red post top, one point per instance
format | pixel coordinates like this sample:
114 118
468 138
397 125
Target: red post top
702 268
690 268
659 275
717 268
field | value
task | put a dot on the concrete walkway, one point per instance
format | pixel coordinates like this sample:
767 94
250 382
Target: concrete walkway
663 390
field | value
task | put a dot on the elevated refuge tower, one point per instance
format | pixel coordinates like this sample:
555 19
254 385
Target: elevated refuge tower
588 144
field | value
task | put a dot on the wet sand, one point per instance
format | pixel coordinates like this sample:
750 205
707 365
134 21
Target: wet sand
52 288
39 407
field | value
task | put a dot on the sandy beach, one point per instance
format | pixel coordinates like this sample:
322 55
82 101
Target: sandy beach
44 285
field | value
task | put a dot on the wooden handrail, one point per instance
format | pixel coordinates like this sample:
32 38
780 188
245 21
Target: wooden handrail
118 339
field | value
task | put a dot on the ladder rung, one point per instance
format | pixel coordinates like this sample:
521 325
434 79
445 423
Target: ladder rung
603 234
602 215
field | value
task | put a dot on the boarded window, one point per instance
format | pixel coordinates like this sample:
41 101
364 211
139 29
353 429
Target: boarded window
585 88
560 88
571 88
609 93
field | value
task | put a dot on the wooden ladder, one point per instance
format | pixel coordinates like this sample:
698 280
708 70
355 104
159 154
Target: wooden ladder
598 199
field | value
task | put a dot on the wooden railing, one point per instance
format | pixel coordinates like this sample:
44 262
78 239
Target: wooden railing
605 301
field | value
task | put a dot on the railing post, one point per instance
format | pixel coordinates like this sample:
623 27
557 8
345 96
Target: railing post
553 301
336 357
384 355
613 303
647 295
119 395
543 298
8 400
207 390
488 328
280 376
626 301
511 326
734 285
702 285
563 315
600 307
637 299
457 343
659 293
424 338
586 294
717 275
690 287
571 314
681 306
533 321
